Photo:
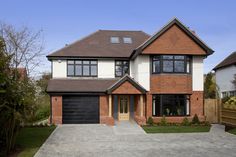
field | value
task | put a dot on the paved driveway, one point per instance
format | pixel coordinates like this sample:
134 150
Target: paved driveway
101 140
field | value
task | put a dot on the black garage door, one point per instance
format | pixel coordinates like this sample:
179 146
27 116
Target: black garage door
80 109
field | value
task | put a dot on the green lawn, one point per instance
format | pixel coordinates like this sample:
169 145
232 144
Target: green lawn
232 131
176 129
31 138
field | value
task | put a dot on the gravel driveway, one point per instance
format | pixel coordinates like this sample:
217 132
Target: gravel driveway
102 141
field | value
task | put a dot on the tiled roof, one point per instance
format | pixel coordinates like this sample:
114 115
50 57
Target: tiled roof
98 44
230 60
79 85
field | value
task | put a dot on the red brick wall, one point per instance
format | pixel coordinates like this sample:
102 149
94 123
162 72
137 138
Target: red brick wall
196 103
148 105
103 102
56 109
126 88
174 41
170 83
104 111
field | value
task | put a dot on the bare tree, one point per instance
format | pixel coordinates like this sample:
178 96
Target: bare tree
24 45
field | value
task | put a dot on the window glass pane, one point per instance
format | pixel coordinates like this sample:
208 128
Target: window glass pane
156 57
70 62
78 70
78 62
188 67
125 70
114 40
167 66
121 105
174 105
126 105
167 57
93 62
127 40
85 62
156 67
70 70
179 57
125 63
118 62
118 73
93 70
179 66
86 70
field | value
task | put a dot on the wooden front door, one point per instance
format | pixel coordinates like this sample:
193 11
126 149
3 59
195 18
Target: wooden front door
123 107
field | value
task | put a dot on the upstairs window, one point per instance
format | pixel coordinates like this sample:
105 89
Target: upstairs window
121 68
127 40
170 64
82 68
114 40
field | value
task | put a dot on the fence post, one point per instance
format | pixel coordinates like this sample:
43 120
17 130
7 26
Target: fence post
220 110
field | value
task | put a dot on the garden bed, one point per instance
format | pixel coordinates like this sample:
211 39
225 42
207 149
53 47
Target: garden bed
175 129
232 131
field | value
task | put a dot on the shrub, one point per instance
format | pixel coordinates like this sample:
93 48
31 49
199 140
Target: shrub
230 103
163 121
150 121
195 119
42 112
185 122
225 99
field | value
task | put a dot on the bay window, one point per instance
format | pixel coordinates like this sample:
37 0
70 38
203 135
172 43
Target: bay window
170 105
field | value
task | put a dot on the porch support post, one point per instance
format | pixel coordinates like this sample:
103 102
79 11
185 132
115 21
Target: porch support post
110 105
141 105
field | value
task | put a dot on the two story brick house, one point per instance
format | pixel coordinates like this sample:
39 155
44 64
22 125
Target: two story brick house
114 75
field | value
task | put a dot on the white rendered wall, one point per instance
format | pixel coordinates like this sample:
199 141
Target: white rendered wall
224 77
106 69
140 70
197 73
59 69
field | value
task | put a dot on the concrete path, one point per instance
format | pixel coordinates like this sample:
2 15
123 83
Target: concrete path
102 141
127 128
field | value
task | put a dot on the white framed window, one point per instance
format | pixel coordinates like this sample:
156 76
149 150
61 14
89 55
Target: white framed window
114 40
127 40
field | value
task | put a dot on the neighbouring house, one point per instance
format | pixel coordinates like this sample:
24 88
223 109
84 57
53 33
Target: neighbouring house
225 72
114 75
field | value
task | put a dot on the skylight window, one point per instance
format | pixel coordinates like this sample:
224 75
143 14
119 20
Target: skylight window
114 40
127 40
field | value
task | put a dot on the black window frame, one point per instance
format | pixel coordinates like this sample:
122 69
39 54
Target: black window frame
159 58
155 97
82 65
122 67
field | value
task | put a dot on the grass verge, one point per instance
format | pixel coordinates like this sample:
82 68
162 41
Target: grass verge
31 138
232 131
176 129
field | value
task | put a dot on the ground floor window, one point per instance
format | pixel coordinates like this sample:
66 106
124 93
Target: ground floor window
170 105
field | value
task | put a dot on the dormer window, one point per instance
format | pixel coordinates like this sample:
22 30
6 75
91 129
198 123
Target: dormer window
127 40
114 40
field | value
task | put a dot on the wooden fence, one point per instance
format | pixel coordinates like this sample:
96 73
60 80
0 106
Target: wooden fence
228 116
212 110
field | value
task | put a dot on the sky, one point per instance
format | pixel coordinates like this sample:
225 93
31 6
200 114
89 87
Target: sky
65 21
